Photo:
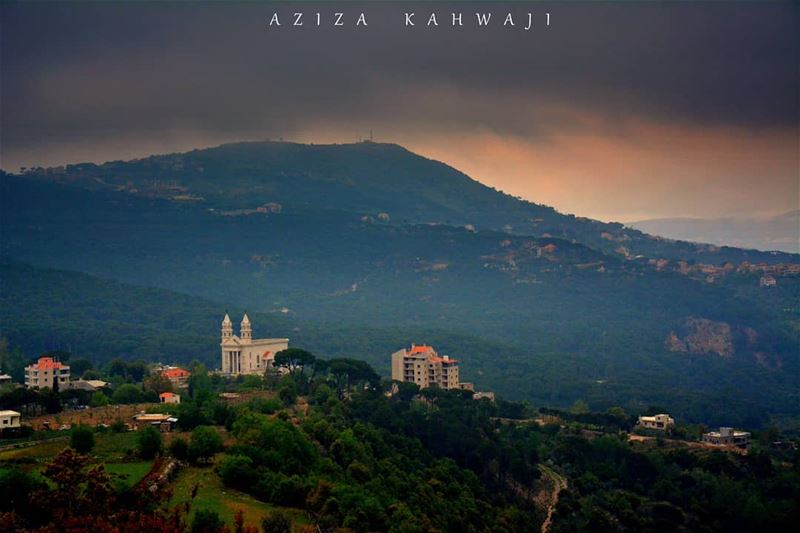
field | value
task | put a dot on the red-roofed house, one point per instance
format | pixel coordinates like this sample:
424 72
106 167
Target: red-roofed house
169 397
44 372
178 376
421 364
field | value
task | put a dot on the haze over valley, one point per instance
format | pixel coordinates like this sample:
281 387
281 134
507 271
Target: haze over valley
780 232
365 245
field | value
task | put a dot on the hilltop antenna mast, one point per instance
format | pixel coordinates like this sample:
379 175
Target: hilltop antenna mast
370 135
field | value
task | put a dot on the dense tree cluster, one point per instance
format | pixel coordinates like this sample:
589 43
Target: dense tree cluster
351 452
72 496
616 488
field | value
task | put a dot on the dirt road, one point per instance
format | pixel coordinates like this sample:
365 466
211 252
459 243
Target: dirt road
559 483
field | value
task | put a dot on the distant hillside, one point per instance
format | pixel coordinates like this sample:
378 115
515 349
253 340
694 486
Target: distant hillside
774 233
359 249
544 319
43 309
369 179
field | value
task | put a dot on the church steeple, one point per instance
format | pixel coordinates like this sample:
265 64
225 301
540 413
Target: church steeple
246 330
227 328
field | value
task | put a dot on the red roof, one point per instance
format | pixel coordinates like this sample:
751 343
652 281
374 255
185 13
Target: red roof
167 394
422 348
47 363
176 373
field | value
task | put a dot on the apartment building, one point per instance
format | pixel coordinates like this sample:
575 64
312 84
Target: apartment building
45 372
421 364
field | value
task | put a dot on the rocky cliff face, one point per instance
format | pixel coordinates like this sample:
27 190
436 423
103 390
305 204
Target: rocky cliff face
702 336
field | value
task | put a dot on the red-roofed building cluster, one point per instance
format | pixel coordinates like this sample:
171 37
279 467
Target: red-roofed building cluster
178 376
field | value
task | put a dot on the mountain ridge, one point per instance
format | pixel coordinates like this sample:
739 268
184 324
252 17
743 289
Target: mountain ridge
370 179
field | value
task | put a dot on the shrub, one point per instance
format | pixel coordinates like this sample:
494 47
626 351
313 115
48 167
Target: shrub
222 414
127 393
284 490
287 390
252 382
237 471
98 399
204 443
16 487
276 522
206 521
148 442
82 439
179 448
265 405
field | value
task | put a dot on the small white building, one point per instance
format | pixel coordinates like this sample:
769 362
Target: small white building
481 395
661 421
10 419
727 437
163 421
169 397
767 280
5 379
90 385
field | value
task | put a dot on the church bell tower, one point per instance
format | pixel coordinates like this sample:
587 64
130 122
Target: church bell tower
246 330
227 328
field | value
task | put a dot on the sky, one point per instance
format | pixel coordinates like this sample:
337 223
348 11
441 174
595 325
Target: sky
618 110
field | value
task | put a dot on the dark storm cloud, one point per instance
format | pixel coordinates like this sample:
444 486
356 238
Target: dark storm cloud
87 72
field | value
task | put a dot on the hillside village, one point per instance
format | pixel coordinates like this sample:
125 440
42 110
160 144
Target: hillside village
163 426
243 360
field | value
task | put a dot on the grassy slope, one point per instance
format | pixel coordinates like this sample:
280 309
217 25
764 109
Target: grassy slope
112 447
212 495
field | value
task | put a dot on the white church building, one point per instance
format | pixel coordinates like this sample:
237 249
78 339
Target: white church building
244 354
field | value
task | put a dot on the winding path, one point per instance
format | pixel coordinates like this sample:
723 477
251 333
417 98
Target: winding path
559 483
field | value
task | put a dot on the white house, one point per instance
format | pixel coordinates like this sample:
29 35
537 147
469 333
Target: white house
662 421
90 385
727 436
9 419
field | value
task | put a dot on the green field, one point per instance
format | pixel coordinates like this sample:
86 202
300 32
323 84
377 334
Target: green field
109 447
129 473
213 495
